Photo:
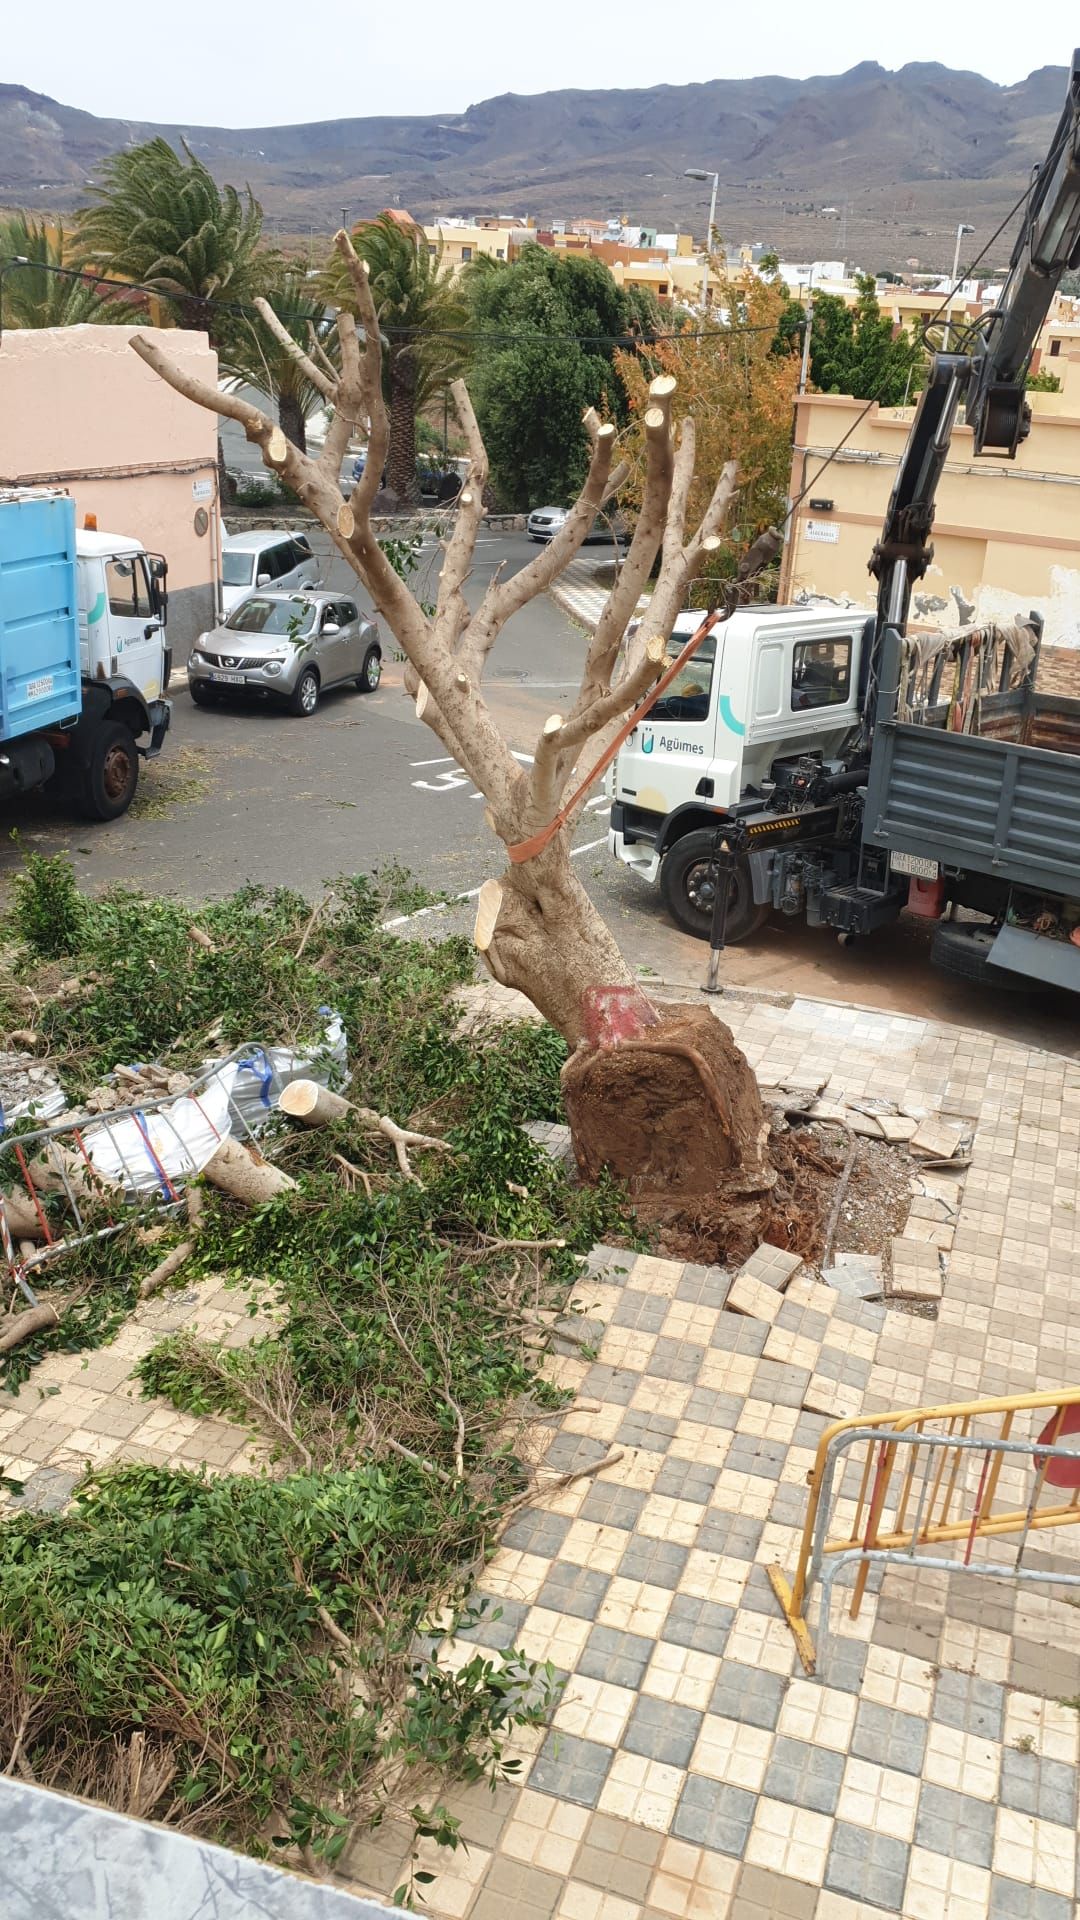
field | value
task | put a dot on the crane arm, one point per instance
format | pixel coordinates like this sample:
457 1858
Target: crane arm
989 377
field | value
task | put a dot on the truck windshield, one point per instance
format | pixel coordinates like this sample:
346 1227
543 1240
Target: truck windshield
687 698
236 568
255 615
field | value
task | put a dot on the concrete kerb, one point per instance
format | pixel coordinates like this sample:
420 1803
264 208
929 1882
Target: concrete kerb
401 525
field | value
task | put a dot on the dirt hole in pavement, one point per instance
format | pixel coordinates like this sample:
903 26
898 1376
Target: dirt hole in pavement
797 1215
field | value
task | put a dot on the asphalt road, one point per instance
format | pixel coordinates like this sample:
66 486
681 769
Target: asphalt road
252 794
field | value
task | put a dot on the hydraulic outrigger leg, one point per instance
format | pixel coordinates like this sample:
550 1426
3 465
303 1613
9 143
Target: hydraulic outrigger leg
724 865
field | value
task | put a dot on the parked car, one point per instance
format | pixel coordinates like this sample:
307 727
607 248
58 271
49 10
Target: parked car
438 483
544 522
266 558
289 647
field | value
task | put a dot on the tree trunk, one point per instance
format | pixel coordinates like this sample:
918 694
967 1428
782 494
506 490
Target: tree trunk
662 1098
291 420
401 458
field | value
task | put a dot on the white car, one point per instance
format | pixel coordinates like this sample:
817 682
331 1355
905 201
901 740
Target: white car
544 523
266 558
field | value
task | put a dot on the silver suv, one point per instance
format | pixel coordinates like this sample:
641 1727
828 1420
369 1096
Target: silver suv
290 646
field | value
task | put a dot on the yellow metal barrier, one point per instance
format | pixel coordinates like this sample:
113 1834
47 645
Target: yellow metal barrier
913 1490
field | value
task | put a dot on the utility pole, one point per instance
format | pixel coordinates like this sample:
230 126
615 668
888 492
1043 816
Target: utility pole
808 327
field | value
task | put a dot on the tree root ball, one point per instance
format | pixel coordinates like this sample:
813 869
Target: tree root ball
673 1113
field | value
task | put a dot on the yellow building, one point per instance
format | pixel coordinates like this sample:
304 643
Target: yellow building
1006 532
461 242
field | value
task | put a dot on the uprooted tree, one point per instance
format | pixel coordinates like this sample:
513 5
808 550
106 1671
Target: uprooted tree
673 1107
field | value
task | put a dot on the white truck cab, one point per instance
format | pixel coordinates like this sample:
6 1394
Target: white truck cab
121 613
771 684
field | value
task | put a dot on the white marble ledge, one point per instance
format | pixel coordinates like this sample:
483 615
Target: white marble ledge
64 1859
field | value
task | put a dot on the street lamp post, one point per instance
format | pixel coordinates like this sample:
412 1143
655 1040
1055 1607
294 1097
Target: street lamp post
702 173
808 328
960 232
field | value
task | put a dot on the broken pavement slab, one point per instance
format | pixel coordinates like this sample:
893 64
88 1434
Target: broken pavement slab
773 1266
916 1271
753 1298
938 1139
856 1276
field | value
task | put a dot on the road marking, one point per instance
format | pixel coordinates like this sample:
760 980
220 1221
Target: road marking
403 919
455 775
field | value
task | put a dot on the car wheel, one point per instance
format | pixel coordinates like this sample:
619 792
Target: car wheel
305 695
688 889
371 672
201 694
110 772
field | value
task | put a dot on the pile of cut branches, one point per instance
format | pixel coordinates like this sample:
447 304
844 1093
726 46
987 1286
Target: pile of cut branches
240 1656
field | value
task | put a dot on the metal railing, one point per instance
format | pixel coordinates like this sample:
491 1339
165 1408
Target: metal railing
91 1176
926 1478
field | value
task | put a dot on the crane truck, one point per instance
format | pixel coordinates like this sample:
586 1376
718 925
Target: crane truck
831 765
84 662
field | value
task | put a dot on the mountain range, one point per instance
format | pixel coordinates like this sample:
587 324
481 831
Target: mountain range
879 166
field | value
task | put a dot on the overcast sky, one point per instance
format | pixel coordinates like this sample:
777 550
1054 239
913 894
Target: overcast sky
245 65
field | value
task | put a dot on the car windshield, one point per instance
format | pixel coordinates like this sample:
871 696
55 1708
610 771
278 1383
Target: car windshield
237 568
687 698
292 618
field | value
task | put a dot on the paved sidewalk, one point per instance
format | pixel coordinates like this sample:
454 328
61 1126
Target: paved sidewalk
576 591
692 1771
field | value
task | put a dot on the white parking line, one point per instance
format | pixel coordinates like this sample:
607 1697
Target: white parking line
403 919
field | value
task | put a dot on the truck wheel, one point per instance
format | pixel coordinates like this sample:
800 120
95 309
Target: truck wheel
110 772
688 888
962 948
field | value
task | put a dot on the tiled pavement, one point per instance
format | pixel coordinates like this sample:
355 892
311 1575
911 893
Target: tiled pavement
576 590
691 1769
86 1409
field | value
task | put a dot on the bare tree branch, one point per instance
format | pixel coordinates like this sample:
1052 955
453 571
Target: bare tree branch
326 384
452 612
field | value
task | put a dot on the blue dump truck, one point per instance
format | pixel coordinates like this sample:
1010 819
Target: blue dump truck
84 661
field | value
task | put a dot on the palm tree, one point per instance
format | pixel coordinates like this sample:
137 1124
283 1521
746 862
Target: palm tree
255 356
164 222
39 294
424 320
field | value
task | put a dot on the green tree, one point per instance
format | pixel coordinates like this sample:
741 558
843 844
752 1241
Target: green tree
857 350
547 326
163 221
254 355
38 295
424 321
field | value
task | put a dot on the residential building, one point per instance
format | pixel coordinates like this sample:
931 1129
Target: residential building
462 241
1006 532
81 411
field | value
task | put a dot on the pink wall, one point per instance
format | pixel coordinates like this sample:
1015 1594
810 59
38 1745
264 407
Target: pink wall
79 409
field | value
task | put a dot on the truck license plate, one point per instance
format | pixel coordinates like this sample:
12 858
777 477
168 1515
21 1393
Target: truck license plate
37 689
915 865
228 679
